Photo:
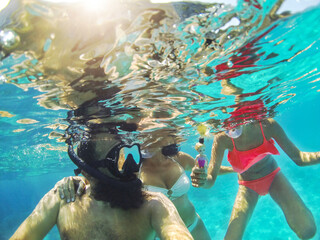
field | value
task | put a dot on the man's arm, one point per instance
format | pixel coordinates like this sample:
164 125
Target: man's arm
300 158
41 220
166 220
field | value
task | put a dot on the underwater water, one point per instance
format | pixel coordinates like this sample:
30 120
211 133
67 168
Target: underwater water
174 66
21 191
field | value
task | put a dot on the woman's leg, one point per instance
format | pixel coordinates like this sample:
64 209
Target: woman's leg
298 216
244 205
200 232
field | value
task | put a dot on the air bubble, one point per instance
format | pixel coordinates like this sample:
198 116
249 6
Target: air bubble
8 39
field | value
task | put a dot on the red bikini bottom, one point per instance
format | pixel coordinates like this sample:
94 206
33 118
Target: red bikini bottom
261 185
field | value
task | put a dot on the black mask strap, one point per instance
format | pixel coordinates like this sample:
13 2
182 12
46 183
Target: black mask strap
77 171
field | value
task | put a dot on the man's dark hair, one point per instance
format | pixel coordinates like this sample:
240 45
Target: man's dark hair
126 198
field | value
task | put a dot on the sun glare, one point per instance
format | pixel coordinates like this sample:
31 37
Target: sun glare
94 5
3 4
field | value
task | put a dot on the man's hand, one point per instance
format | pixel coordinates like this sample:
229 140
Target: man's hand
198 176
67 186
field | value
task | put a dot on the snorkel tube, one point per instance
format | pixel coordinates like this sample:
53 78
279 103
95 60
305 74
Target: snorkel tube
118 183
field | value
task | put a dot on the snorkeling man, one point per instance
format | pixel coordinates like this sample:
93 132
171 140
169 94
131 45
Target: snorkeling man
113 206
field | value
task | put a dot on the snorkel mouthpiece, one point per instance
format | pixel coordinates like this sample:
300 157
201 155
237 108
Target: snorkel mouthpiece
146 154
235 132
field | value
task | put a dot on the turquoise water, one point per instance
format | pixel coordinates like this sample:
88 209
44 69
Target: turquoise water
277 62
20 192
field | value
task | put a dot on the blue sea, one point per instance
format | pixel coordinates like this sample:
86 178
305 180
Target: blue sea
176 70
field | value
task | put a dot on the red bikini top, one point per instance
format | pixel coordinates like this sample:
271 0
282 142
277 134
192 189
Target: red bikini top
241 161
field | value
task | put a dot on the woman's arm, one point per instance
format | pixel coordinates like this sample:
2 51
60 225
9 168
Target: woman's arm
186 161
300 158
225 170
70 187
217 152
41 220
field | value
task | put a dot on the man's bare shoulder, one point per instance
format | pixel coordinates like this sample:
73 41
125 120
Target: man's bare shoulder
50 200
154 199
158 203
154 196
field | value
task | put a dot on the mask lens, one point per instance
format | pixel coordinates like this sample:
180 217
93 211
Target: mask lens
127 151
134 151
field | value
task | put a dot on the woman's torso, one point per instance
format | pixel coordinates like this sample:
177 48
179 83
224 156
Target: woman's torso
255 138
167 175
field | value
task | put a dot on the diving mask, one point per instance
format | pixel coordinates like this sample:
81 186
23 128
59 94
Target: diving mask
122 160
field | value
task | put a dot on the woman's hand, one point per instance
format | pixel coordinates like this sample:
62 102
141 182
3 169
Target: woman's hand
199 177
67 186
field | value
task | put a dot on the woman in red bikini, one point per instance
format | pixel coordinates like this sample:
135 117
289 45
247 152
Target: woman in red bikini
251 147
